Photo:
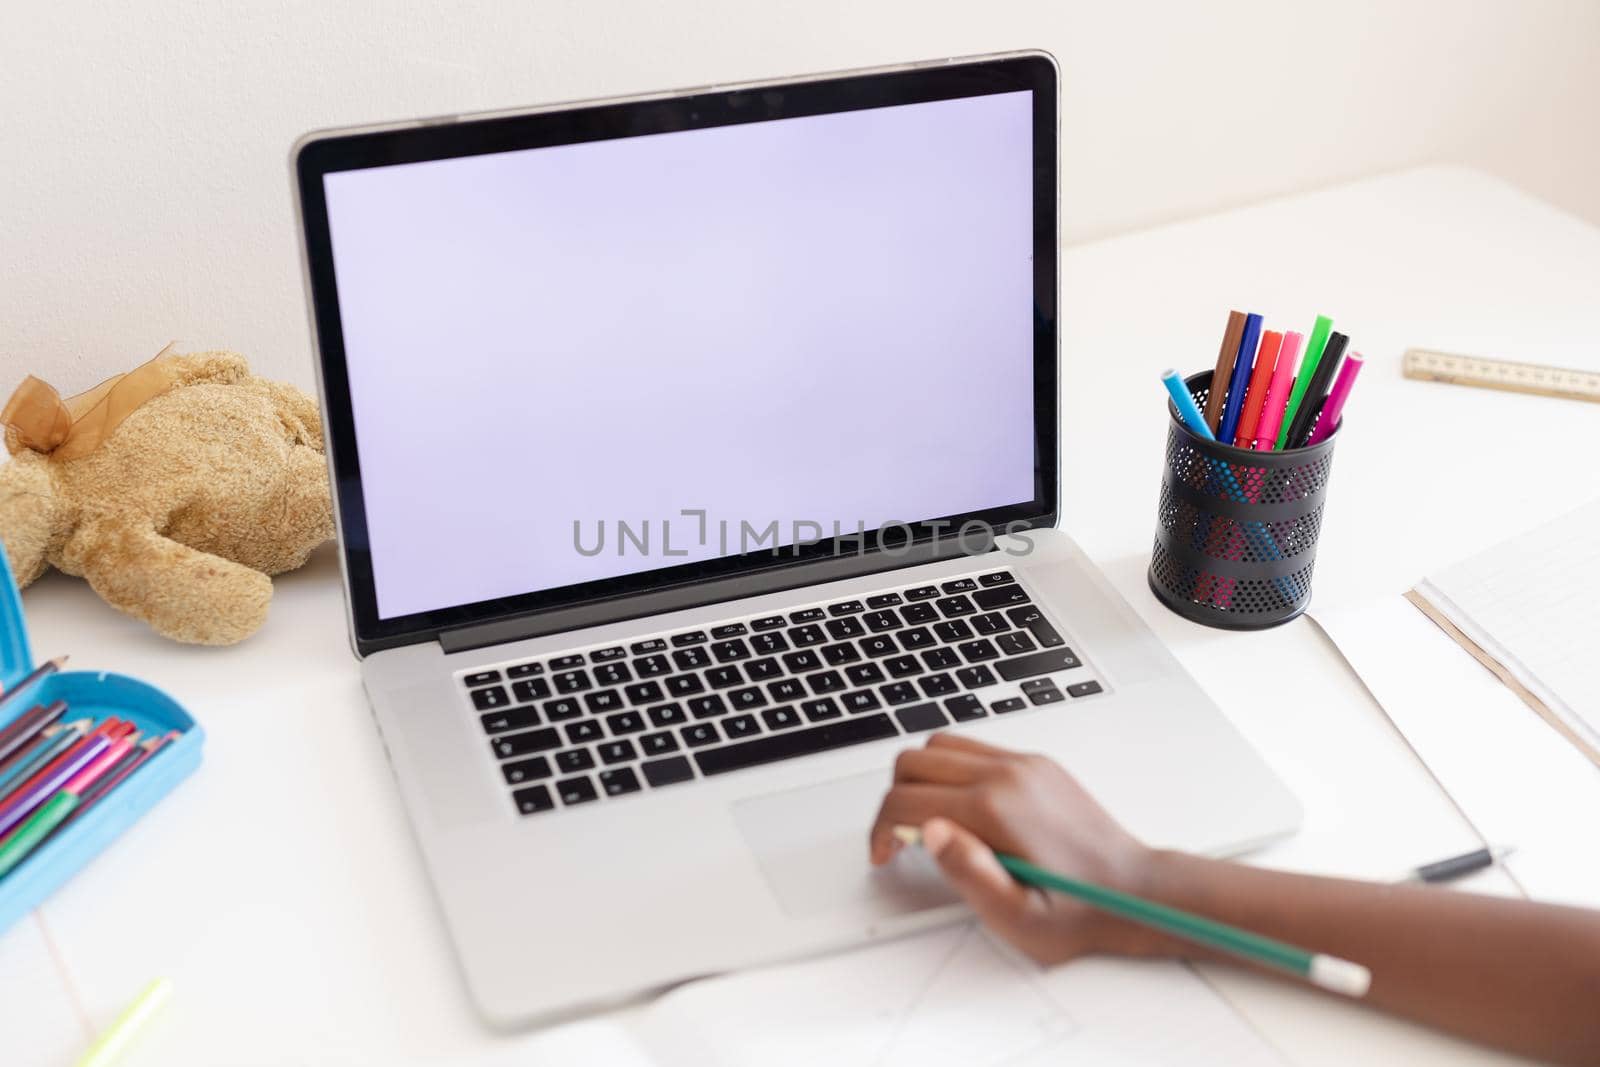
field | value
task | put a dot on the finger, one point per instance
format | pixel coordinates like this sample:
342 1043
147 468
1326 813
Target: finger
939 766
956 742
1000 901
911 805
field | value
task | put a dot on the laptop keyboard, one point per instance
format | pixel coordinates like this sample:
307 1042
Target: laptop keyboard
569 729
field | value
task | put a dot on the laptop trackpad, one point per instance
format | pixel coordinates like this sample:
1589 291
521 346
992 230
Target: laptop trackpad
811 844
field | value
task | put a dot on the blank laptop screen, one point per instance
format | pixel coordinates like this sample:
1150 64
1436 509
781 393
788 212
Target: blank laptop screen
804 321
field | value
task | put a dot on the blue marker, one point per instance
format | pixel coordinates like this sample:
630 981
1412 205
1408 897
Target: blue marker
1187 411
1240 381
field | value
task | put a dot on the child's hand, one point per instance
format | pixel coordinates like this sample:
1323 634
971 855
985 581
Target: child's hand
972 800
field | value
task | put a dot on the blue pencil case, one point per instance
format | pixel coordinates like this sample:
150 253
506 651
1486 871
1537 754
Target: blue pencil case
95 695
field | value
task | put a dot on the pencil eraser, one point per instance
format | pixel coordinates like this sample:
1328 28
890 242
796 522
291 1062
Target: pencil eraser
908 835
1340 976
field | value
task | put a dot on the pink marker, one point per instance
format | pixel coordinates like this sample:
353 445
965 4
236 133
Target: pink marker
1334 405
1278 392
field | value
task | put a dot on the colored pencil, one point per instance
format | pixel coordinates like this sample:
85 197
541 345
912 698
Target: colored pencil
119 773
28 725
1308 367
36 790
1328 972
53 741
1225 357
49 666
54 811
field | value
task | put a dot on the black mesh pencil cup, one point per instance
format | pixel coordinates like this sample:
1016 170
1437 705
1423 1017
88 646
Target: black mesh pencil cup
1236 534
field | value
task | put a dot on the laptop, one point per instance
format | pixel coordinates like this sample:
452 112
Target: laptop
693 455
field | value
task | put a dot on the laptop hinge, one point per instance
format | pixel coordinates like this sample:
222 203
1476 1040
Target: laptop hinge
698 594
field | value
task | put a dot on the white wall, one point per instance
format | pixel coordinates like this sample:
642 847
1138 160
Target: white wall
144 191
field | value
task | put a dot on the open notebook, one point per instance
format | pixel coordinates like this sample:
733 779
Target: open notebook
949 996
1529 610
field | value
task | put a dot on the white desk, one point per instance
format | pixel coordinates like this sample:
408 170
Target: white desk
280 889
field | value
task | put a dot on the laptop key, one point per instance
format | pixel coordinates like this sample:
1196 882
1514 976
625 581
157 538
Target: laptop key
1083 689
583 731
561 710
861 700
491 698
527 770
955 606
845 607
880 621
566 663
668 715
1051 695
939 659
1059 659
884 600
878 646
701 733
650 666
769 644
644 648
902 666
534 799
747 698
499 722
722 677
975 677
915 638
482 678
576 790
802 661
918 613
530 689
619 780
658 744
741 726
1000 597
603 700
708 706
618 752
682 685
728 651
1015 643
808 615
766 622
953 630
781 718
606 655
574 759
732 629
899 693
921 717
1032 619
840 654
792 743
989 623
996 578
625 722
804 636
1002 707
667 771
959 585
937 685
980 651
643 692
526 744
572 682
786 689
693 637
613 673
689 659
922 592
864 674
847 627
523 670
821 710
964 708
759 670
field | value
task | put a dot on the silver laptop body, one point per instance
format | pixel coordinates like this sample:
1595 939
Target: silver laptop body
694 454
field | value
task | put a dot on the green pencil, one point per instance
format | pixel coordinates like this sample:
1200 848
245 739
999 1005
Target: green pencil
1302 378
1328 972
35 829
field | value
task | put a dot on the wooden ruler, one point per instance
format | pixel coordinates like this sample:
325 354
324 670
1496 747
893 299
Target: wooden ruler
1502 374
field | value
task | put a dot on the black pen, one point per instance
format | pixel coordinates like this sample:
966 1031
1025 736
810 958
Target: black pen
1448 870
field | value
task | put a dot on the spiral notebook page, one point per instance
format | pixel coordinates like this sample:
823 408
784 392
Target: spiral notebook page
1532 604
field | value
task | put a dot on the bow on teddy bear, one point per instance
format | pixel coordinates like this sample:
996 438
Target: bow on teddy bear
175 490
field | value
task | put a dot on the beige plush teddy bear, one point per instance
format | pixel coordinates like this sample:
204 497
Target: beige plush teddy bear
175 489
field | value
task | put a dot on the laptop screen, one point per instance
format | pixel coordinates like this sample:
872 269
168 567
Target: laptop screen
572 363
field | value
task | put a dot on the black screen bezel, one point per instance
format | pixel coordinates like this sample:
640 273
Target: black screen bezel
323 154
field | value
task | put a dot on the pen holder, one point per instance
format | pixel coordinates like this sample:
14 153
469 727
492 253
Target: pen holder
1236 532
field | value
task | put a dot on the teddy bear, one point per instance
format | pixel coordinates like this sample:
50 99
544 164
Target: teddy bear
175 490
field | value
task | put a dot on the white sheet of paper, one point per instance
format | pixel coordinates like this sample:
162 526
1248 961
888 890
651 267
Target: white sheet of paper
1514 777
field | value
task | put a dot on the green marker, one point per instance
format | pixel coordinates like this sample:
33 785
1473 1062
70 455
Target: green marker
1302 379
1328 972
